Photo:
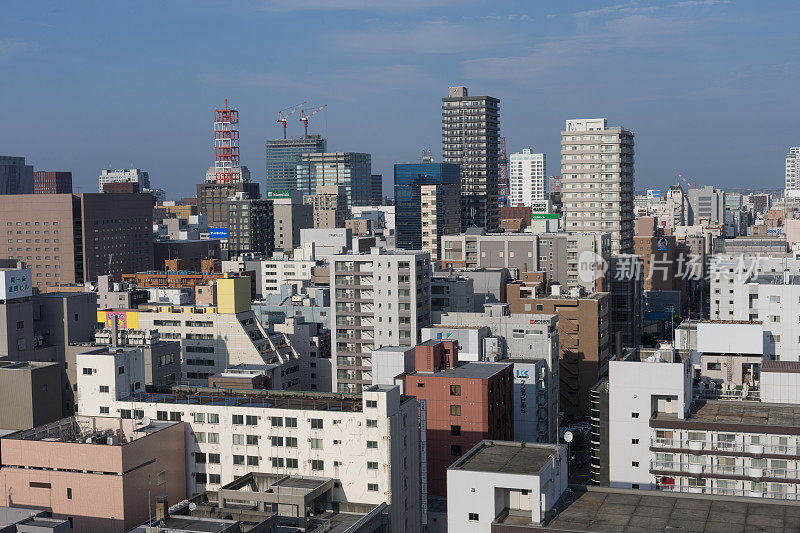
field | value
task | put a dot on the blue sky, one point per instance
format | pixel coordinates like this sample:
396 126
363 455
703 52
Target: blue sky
710 88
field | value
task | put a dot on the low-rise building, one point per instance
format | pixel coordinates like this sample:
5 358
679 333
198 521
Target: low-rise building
95 471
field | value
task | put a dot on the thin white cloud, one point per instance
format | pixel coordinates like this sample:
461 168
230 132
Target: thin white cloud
617 9
432 37
352 5
9 47
695 3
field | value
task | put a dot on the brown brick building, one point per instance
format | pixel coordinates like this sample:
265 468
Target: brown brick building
584 329
74 238
660 254
464 404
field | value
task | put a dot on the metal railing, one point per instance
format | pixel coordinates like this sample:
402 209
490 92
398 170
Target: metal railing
695 469
719 491
701 445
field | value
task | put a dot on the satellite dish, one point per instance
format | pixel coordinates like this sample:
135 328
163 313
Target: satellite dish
192 506
145 421
567 436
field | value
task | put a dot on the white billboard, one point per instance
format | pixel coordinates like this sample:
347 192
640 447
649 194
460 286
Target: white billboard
15 284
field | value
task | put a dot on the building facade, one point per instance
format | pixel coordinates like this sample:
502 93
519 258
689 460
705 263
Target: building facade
350 170
133 175
793 172
427 195
283 155
250 226
380 298
52 182
597 180
15 176
471 137
528 178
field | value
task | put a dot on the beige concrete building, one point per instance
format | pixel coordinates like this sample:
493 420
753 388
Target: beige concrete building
439 215
95 471
330 206
30 394
597 180
584 328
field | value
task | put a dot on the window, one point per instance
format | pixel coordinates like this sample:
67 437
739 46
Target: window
634 415
421 384
634 441
213 418
277 421
103 410
371 403
103 388
238 459
276 441
214 478
199 417
472 517
69 493
316 444
291 463
238 439
252 460
455 431
252 440
200 477
213 458
713 366
455 450
199 457
372 444
372 487
252 420
635 464
291 442
175 416
316 423
161 478
87 371
200 436
291 422
237 420
372 465
317 464
455 410
455 390
213 438
372 423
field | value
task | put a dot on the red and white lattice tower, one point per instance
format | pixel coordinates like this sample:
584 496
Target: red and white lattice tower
226 145
502 164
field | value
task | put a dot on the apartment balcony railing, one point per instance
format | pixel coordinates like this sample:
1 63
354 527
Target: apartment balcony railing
723 446
719 491
698 469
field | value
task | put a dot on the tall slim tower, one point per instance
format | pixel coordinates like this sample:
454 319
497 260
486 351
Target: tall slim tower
597 179
226 145
793 172
471 137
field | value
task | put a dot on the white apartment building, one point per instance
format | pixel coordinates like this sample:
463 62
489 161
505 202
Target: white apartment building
766 289
380 298
294 268
214 338
133 175
528 178
597 180
660 439
497 481
107 372
793 172
368 443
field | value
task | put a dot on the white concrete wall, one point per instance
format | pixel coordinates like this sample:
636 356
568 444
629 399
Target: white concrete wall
780 387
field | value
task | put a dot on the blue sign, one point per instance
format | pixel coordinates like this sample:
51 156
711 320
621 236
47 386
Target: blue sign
522 373
218 233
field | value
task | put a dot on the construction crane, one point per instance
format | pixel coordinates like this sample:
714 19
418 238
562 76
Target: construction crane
690 184
282 118
304 118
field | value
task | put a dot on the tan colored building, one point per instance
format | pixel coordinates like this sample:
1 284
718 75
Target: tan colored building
661 255
439 205
73 238
30 394
95 471
330 206
584 329
359 226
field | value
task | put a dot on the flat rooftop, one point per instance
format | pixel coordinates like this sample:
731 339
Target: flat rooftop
506 457
468 370
622 510
777 418
792 367
98 430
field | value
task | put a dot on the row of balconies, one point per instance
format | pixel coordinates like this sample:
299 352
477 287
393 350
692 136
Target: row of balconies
698 469
764 493
724 446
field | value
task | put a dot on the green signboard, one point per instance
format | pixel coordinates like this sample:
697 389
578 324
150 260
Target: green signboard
544 216
275 195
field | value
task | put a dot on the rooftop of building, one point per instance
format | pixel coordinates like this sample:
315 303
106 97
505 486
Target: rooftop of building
723 413
735 322
25 365
98 430
252 398
625 510
791 367
506 457
467 370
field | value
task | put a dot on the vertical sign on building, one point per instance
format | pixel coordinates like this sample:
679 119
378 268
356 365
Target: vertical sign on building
423 467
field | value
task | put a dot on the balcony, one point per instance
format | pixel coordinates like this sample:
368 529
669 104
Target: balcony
778 495
722 471
723 447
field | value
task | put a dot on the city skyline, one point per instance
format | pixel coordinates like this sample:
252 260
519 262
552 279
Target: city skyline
670 72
